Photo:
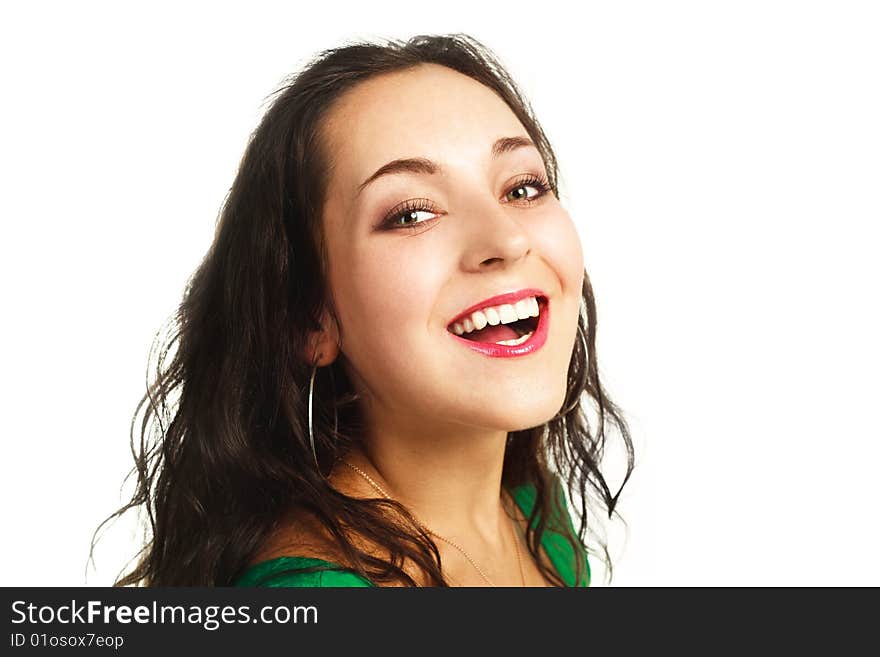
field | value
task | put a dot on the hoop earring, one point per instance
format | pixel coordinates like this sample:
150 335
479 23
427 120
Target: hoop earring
311 428
583 337
311 431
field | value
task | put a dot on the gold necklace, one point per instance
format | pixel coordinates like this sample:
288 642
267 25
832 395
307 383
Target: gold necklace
379 489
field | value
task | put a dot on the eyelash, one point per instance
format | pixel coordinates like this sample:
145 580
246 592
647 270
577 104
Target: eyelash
422 204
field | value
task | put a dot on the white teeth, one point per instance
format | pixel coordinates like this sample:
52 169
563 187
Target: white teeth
504 314
519 340
533 302
507 314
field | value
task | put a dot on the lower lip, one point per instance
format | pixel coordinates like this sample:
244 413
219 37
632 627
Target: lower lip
539 337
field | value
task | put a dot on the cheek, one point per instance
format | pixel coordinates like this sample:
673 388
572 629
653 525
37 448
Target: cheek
382 296
556 237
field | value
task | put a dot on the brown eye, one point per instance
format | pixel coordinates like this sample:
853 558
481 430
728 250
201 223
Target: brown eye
409 217
519 192
411 214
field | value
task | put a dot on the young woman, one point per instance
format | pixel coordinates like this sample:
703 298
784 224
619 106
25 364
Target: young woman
381 362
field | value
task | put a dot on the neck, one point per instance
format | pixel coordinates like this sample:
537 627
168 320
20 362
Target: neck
449 477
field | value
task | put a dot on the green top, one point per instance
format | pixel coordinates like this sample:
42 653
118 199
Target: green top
276 572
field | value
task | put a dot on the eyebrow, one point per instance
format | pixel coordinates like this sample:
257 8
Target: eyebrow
422 165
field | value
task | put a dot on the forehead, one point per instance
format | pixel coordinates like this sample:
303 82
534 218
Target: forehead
430 111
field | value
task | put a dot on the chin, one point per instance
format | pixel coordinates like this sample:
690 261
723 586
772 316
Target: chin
535 414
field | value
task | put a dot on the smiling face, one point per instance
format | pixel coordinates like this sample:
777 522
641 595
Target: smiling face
411 250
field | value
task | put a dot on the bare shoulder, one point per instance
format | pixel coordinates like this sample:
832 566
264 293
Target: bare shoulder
299 534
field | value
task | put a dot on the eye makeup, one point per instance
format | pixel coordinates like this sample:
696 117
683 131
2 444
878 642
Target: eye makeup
411 207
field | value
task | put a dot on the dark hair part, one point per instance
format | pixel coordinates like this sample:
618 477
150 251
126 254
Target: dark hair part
223 449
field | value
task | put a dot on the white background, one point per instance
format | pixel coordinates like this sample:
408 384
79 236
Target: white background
722 161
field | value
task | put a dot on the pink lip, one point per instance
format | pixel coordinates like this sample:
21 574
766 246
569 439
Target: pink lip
539 337
510 297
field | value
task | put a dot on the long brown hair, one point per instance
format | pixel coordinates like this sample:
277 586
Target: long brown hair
222 451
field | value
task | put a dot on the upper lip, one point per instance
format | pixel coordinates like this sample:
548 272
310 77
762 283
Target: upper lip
508 297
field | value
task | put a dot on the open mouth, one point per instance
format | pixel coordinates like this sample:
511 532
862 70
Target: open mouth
504 325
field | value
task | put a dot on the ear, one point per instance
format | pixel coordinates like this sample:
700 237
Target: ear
323 346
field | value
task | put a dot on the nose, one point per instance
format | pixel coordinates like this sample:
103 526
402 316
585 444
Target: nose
495 237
